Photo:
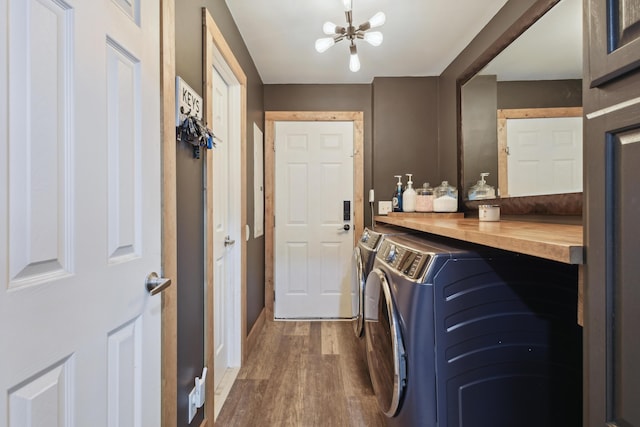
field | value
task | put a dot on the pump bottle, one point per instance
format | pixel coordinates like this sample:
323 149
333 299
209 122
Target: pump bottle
397 195
409 196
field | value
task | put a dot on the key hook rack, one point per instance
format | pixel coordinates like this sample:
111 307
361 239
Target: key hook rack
189 122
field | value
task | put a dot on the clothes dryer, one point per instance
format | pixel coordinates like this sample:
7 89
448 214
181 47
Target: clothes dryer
463 335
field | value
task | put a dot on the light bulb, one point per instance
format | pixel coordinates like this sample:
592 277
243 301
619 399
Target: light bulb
324 44
329 28
377 20
374 38
354 61
347 5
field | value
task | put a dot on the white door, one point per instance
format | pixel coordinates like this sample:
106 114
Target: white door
79 213
224 234
545 155
314 179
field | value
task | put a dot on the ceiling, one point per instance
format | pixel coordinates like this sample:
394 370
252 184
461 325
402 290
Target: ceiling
551 49
421 38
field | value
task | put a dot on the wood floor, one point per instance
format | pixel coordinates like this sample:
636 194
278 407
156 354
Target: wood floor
303 374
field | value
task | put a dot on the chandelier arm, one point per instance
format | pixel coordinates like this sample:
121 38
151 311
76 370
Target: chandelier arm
349 15
364 27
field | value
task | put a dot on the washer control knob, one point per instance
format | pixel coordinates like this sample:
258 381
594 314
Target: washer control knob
391 256
365 237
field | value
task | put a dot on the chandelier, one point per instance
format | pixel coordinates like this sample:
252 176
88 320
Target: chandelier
351 33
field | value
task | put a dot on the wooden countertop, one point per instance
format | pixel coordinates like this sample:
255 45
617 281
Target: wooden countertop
558 242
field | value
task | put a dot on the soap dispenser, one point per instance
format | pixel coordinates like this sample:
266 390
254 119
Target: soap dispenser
481 190
409 196
397 195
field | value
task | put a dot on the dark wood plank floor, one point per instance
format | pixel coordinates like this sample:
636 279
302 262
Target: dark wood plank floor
303 374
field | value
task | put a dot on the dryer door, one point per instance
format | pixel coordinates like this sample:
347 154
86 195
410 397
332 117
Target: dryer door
385 348
357 291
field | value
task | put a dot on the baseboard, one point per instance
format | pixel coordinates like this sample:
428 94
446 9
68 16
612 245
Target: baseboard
256 330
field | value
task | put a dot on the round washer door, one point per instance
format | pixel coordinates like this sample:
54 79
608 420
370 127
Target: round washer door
357 291
385 348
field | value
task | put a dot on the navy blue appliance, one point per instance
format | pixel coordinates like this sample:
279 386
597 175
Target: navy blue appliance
473 337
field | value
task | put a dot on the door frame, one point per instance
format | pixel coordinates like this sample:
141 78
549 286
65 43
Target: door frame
357 117
169 250
214 41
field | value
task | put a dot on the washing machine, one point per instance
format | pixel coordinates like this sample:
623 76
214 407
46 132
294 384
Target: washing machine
464 335
362 262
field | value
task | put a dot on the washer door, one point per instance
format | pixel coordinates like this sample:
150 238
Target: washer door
385 348
357 291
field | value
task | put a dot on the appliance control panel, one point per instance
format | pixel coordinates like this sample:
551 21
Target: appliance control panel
410 263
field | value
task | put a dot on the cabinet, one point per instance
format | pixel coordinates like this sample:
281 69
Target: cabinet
612 207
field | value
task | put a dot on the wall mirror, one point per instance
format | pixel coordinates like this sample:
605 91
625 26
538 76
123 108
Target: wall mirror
521 107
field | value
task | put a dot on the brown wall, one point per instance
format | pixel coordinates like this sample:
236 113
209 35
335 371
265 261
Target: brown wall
327 97
190 201
480 131
540 94
405 132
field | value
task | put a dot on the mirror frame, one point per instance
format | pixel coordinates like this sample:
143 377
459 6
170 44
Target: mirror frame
548 204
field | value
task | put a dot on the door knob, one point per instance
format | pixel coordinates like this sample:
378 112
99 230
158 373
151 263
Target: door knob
345 227
228 241
156 284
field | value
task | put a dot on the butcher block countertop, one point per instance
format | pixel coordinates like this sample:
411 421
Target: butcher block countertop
558 242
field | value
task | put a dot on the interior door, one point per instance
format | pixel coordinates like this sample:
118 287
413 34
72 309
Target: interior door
314 219
612 156
545 155
79 213
223 241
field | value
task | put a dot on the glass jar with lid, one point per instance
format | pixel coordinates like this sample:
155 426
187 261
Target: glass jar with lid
424 198
445 198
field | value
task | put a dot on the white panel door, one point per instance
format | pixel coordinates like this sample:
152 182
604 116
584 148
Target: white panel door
222 239
79 213
545 156
314 177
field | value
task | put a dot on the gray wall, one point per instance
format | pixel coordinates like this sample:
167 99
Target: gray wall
300 97
190 196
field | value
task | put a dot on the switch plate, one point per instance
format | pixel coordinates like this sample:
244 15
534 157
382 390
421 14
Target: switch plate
193 405
384 207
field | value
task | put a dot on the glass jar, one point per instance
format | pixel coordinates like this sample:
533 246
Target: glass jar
424 198
445 198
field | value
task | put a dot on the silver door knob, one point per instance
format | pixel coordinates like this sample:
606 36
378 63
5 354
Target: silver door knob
345 227
228 241
156 284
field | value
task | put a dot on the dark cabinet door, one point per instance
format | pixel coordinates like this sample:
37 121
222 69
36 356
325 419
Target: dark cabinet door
614 35
612 213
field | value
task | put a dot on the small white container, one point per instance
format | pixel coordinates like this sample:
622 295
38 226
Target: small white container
489 213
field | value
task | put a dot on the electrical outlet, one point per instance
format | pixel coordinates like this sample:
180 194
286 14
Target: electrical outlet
384 207
193 405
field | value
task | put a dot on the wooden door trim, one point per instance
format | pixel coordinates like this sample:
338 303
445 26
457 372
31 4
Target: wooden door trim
357 117
169 398
212 37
